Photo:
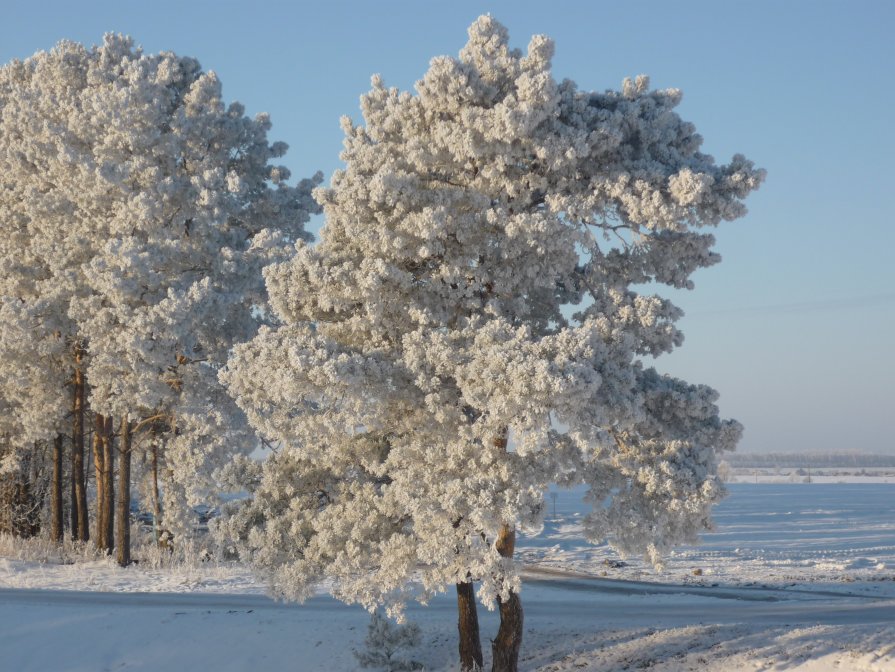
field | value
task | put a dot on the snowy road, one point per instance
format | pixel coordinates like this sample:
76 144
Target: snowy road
574 590
180 631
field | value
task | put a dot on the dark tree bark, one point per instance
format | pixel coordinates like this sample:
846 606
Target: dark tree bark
156 500
123 544
79 503
56 524
505 647
108 486
468 626
72 508
99 427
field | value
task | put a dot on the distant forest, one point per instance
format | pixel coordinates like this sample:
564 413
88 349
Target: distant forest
809 460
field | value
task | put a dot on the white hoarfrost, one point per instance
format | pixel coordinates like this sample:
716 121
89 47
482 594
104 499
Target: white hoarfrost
138 212
471 329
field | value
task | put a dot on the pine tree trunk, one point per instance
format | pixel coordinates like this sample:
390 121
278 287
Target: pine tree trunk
468 626
124 495
73 508
99 426
156 502
108 486
56 524
82 531
505 647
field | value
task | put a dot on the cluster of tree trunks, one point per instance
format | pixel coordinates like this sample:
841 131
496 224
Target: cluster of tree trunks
506 645
23 495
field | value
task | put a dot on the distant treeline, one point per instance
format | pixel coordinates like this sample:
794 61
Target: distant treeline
808 460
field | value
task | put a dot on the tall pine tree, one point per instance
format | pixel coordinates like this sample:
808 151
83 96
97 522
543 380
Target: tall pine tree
472 328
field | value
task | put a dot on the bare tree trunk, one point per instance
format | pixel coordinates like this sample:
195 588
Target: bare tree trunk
73 508
79 502
99 426
56 524
468 626
108 486
124 495
156 502
505 647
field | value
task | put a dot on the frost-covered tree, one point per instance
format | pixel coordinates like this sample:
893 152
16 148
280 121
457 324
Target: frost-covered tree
472 328
141 210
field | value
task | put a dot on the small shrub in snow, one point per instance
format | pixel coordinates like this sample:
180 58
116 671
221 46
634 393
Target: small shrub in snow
385 642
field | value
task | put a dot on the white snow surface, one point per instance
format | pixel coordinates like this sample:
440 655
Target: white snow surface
795 577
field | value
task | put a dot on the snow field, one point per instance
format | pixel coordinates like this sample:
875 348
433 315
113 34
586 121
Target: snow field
794 578
765 533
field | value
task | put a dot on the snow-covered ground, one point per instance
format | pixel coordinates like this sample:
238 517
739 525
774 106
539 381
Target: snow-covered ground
796 577
814 534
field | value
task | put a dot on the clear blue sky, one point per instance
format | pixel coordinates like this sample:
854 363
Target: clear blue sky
796 327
